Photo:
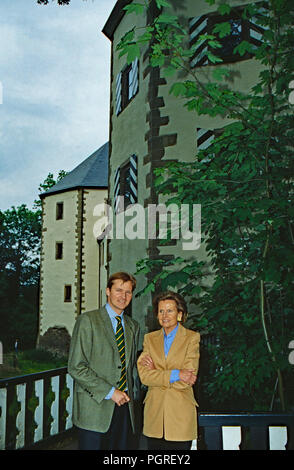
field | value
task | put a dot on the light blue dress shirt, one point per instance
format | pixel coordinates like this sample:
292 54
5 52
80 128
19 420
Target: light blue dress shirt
112 314
168 341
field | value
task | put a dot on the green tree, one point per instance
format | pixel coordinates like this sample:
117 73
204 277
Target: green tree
244 183
48 182
20 240
20 230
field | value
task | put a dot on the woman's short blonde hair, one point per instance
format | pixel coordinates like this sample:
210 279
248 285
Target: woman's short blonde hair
178 299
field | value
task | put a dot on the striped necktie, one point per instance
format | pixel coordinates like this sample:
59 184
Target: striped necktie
119 336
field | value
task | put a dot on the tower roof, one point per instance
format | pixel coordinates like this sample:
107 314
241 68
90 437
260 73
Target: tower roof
91 173
114 18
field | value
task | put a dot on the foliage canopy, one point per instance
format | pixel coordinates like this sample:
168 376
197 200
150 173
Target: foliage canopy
243 293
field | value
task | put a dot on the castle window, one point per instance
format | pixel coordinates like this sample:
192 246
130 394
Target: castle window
241 30
125 184
205 138
127 86
59 211
59 250
67 293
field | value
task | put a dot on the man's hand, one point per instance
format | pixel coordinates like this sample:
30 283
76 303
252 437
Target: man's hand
120 398
188 376
147 361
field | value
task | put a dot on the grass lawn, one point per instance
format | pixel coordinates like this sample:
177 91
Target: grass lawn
29 362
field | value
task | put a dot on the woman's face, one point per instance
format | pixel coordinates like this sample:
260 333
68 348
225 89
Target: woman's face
168 315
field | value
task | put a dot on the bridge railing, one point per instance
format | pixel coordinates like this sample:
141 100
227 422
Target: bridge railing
38 406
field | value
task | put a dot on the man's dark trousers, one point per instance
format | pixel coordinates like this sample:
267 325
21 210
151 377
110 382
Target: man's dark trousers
118 436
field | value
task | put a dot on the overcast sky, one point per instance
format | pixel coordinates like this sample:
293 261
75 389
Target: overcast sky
54 71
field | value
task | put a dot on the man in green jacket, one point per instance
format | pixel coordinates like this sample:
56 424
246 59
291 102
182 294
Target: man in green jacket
102 359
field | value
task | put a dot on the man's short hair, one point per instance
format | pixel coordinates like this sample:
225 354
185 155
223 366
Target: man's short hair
123 276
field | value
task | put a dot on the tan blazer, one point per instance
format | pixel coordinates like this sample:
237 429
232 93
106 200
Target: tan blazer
94 363
170 409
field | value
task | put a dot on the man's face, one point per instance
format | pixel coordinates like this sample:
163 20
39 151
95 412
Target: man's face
120 295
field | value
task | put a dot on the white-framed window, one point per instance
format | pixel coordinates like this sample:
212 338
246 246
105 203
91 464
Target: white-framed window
127 86
241 30
126 183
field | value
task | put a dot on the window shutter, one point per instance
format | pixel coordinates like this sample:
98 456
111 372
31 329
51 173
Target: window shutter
204 138
134 78
198 26
116 191
118 94
133 179
256 31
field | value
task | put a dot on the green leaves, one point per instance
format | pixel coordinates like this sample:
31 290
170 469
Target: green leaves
167 20
220 73
162 3
222 29
224 9
133 52
137 8
178 89
213 58
243 181
243 47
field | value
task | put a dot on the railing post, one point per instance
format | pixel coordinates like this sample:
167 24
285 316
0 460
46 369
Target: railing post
3 417
55 405
69 402
12 411
232 437
278 437
21 415
39 411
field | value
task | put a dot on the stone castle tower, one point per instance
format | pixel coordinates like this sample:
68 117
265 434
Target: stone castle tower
73 276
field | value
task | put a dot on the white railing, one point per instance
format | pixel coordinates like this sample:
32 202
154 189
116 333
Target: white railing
34 407
245 431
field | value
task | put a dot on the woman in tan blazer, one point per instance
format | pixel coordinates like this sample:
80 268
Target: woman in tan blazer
168 366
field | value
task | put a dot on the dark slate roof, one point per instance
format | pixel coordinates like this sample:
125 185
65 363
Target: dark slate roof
115 17
91 173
